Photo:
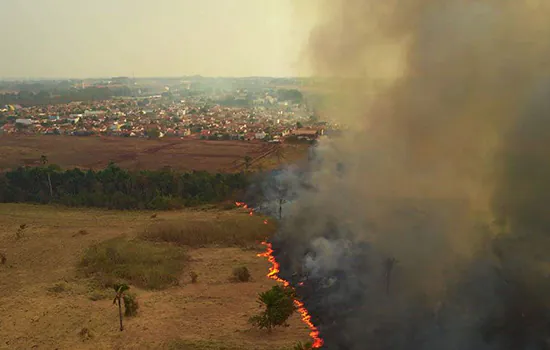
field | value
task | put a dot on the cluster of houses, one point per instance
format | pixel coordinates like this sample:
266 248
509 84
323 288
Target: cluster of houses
153 118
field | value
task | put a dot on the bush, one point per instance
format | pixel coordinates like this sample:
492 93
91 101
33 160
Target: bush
135 262
58 288
278 303
3 258
226 231
131 305
303 346
241 274
193 276
99 295
81 233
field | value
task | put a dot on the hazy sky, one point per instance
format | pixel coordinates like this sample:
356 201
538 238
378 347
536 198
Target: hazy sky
101 38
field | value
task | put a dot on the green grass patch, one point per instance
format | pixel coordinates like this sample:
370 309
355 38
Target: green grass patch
142 264
231 230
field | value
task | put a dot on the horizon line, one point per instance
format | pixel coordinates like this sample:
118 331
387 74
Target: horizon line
156 77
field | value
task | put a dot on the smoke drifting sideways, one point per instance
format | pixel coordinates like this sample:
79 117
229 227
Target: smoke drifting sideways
426 224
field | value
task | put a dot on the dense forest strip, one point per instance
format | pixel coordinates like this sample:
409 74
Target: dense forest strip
117 188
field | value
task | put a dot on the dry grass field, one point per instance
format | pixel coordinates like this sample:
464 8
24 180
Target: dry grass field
132 153
54 282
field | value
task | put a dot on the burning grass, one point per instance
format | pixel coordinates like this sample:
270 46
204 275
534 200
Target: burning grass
135 262
234 230
300 307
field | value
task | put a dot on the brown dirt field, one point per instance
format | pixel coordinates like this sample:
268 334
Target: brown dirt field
211 314
131 153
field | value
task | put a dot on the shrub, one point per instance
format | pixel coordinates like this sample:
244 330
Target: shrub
85 334
241 274
302 346
3 258
278 303
193 276
20 231
135 262
81 233
99 295
131 304
226 231
58 288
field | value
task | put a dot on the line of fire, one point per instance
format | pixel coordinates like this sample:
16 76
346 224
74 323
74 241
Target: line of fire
273 274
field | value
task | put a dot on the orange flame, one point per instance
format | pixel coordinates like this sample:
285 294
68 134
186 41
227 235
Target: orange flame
274 275
306 317
250 210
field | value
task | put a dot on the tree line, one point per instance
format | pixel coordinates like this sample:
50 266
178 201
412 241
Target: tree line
44 97
117 188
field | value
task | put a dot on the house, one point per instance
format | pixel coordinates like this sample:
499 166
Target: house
23 121
93 113
305 133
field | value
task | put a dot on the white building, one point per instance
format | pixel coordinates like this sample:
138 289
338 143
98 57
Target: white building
23 121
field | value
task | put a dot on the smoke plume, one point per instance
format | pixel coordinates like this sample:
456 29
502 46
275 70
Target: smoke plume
426 225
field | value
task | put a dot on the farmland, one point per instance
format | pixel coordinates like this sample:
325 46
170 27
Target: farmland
136 154
47 302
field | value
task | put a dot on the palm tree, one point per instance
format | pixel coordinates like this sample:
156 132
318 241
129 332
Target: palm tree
120 289
282 200
389 264
44 161
279 152
247 162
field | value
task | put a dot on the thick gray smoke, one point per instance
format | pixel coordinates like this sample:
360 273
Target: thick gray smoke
426 226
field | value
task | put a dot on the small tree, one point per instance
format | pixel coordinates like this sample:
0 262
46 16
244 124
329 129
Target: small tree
247 162
120 289
278 304
389 264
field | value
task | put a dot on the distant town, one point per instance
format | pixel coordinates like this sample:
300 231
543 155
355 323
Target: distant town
267 109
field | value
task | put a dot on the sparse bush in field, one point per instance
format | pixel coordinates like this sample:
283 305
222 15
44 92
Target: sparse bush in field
3 258
278 304
58 288
99 295
81 233
302 346
241 274
20 231
131 304
227 230
135 262
85 334
193 276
